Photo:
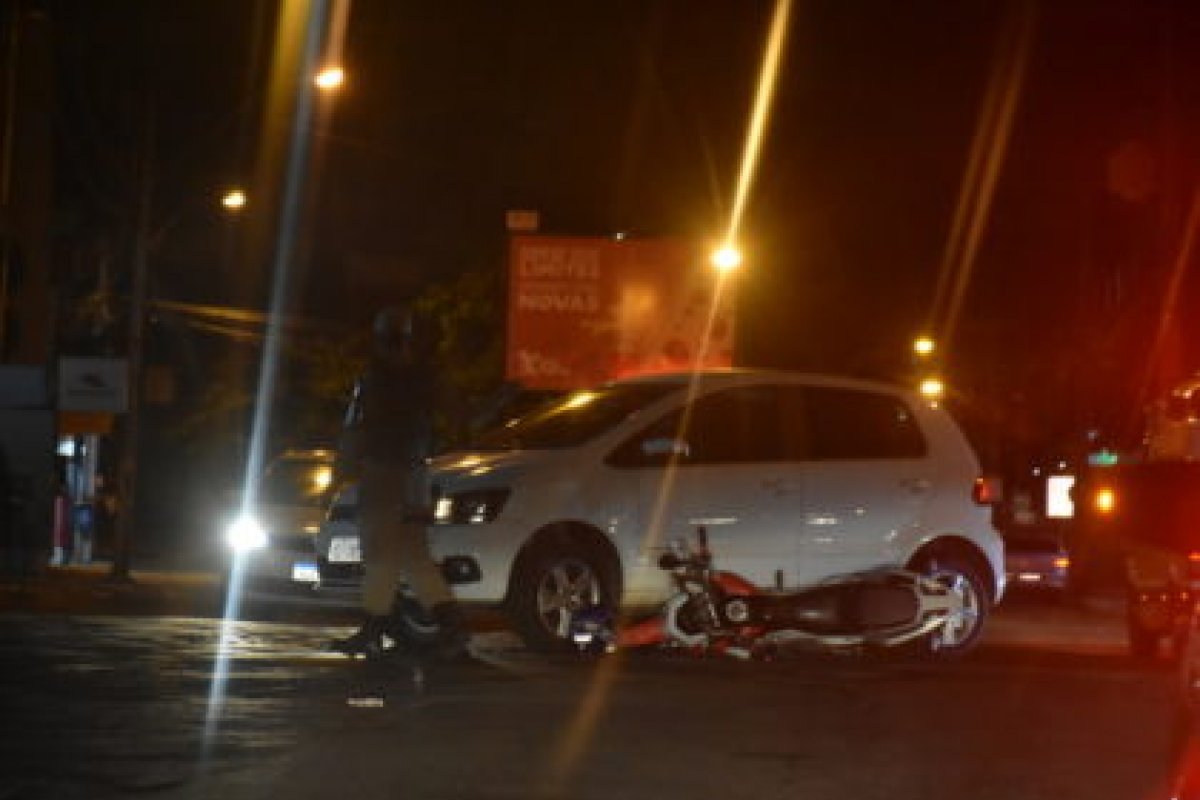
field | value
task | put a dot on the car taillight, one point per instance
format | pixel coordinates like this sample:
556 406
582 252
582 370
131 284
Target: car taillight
1062 562
988 490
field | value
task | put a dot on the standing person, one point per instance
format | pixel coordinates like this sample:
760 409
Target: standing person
85 530
389 439
60 532
105 513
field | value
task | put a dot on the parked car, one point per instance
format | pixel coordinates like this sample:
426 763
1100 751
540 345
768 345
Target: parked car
797 478
271 543
339 550
1037 561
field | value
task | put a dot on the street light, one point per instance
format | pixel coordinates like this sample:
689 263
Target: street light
923 346
726 258
234 200
932 389
330 78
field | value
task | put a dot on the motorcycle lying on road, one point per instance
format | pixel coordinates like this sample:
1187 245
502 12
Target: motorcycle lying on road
721 613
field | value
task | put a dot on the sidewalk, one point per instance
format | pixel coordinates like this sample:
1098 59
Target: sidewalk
92 589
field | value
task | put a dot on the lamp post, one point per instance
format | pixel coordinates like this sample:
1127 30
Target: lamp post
925 363
234 200
127 468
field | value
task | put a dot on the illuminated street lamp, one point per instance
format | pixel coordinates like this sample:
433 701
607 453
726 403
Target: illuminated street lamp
923 346
234 200
932 389
330 78
726 258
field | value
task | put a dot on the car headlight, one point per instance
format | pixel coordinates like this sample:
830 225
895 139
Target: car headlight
244 534
475 507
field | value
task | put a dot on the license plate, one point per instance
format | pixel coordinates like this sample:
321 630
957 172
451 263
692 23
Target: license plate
305 572
343 550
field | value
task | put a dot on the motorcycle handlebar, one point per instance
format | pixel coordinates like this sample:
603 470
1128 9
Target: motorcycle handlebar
669 561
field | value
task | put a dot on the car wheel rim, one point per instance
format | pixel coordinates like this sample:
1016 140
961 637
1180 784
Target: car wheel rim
568 586
962 625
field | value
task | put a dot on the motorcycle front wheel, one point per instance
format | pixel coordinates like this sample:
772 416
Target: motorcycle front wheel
411 622
961 632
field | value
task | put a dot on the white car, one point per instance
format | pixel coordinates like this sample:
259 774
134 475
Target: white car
797 478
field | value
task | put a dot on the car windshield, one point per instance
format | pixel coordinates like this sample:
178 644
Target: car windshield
574 419
300 482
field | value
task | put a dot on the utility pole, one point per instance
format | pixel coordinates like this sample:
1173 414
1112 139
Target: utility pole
6 166
128 469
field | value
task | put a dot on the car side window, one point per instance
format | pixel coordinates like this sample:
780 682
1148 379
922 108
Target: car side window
740 425
856 424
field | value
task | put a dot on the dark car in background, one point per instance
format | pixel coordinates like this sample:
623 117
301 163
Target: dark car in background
271 544
1037 561
339 549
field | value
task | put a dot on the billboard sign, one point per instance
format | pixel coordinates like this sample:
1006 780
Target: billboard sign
584 310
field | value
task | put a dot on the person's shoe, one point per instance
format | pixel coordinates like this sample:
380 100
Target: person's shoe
366 642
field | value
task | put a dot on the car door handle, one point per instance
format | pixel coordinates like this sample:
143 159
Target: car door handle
917 485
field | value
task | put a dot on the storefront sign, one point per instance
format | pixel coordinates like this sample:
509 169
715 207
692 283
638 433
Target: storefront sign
93 384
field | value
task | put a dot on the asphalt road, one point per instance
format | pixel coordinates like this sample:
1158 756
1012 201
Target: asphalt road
189 707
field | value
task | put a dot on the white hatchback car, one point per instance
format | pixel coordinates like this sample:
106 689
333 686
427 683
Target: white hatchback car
797 478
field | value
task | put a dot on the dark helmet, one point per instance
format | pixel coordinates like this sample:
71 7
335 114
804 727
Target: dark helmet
406 329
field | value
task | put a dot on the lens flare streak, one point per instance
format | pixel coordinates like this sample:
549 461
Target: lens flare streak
760 116
582 726
988 150
299 145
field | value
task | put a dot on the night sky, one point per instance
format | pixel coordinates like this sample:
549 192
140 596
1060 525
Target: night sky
629 116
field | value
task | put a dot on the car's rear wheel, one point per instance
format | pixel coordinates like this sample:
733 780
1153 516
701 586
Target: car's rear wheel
1143 641
1189 668
961 633
552 585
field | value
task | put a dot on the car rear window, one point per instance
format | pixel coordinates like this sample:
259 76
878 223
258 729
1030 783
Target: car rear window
853 424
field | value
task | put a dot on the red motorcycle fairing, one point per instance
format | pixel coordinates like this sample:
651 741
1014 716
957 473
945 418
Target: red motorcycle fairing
651 630
733 584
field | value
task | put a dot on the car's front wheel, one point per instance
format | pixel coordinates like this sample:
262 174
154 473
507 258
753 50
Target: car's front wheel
962 630
551 586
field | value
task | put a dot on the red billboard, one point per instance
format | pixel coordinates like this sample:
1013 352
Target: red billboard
582 311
